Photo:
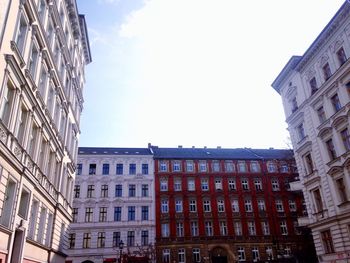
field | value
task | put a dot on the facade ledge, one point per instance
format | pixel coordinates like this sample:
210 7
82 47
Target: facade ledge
18 54
334 162
344 205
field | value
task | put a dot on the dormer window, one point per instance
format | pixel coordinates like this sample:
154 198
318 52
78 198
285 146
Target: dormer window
313 85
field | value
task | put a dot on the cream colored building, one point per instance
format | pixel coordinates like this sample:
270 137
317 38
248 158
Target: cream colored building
113 201
43 51
315 90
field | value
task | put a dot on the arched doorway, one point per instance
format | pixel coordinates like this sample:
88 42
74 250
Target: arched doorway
219 255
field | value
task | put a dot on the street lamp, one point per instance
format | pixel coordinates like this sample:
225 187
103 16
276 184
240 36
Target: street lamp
121 245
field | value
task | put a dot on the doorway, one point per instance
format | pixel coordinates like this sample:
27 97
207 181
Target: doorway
219 259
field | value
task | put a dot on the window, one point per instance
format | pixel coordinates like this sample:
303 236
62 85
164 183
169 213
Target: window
279 205
235 205
144 238
331 150
196 254
24 203
131 239
33 60
283 227
179 229
318 200
255 254
300 131
258 185
341 56
208 228
131 213
132 190
271 167
327 73
229 167
177 184
191 184
248 205
79 168
275 185
205 184
269 253
251 228
294 104
104 190
105 169
90 191
21 34
194 228
292 206
92 168
202 166
144 190
218 184
313 85
166 256
132 168
193 206
189 166
43 81
88 214
163 166
261 205
71 240
254 167
75 215
345 136
336 102
144 213
341 190
221 205
206 206
232 184
321 114
245 185
309 164
119 169
327 241
145 168
77 191
164 206
163 184
178 206
118 190
265 228
223 228
117 214
238 228
241 254
181 255
284 168
165 230
86 240
101 238
103 214
242 167
116 239
42 10
7 103
215 166
176 166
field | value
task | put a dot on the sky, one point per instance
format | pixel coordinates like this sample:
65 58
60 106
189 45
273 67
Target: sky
192 72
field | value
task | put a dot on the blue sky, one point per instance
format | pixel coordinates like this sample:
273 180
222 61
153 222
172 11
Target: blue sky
192 72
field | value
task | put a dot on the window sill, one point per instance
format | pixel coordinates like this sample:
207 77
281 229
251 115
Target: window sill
344 204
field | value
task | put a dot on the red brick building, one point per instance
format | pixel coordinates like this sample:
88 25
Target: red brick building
227 205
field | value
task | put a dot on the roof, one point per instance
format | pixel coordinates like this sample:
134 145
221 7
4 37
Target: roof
221 153
113 151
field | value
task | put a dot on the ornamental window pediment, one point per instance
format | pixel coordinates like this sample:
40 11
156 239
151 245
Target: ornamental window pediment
335 170
325 133
340 122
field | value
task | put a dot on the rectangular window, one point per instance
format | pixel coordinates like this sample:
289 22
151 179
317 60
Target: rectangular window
24 203
144 213
261 205
206 206
279 205
163 184
144 190
313 85
229 167
103 214
33 60
7 103
248 205
345 136
118 190
79 168
232 184
341 190
216 166
321 114
191 184
308 163
132 168
251 228
241 254
189 166
258 185
341 56
327 241
101 239
265 228
336 102
179 229
275 185
218 184
176 166
90 191
181 255
117 214
255 254
193 206
132 190
194 228
301 132
92 168
242 167
105 169
223 228
238 228
254 167
196 254
327 73
294 104
166 256
245 184
71 240
145 168
88 214
163 167
164 206
76 191
131 213
131 239
292 206
116 239
331 149
221 205
144 238
86 240
235 206
165 230
178 206
208 228
119 169
104 190
75 215
21 34
283 227
318 200
202 166
177 184
205 184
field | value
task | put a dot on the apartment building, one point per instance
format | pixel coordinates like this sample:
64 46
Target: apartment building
315 91
113 202
44 48
228 205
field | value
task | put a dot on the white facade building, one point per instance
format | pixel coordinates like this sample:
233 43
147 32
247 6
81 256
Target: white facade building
315 90
113 200
43 51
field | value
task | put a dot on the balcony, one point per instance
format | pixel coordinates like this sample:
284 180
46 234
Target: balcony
303 221
296 185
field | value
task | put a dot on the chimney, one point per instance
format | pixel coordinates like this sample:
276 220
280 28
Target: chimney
193 147
180 146
219 147
205 147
